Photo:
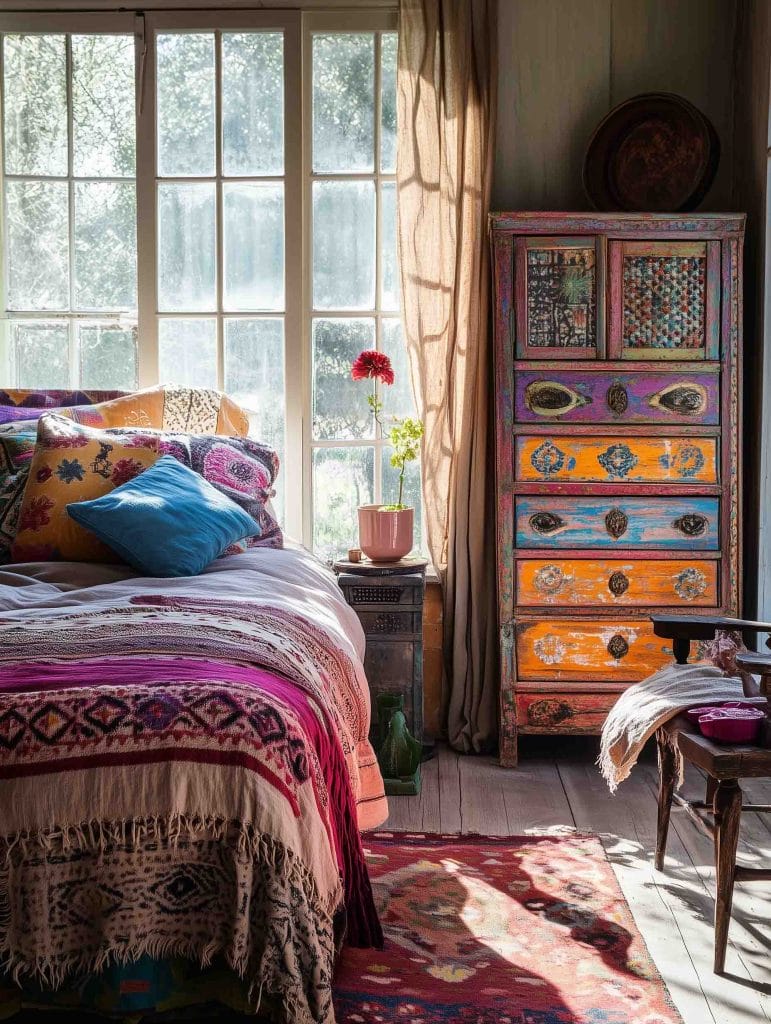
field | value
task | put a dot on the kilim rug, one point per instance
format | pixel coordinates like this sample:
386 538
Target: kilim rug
525 930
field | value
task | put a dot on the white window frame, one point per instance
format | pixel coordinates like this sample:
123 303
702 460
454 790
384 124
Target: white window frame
298 28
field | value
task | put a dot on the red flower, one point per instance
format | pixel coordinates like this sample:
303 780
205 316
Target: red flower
372 364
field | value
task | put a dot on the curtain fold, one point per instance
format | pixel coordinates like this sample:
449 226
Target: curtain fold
446 92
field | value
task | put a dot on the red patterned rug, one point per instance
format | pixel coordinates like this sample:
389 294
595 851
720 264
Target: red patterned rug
526 930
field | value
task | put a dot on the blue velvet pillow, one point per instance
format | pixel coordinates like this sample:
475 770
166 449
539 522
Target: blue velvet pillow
168 521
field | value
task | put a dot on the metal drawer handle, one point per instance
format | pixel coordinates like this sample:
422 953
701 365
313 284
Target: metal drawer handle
617 399
546 522
618 584
617 647
616 523
691 524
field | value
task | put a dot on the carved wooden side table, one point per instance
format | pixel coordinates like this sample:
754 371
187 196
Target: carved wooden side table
388 598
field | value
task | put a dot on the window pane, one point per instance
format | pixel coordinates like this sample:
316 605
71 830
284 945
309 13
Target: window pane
343 102
254 374
388 47
108 356
340 408
186 247
389 266
254 246
103 106
411 495
398 399
38 249
186 82
35 98
187 352
41 353
343 245
105 245
254 377
253 103
342 480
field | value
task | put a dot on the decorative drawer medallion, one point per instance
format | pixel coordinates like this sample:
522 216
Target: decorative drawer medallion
563 712
645 583
612 396
685 460
389 622
576 649
578 522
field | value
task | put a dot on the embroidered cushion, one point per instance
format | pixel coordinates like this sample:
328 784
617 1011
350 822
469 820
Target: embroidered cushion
243 469
168 521
167 407
72 463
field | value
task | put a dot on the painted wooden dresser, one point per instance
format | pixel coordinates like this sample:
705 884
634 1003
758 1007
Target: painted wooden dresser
617 348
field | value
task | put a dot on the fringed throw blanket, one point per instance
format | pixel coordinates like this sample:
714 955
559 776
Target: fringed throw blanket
179 776
641 709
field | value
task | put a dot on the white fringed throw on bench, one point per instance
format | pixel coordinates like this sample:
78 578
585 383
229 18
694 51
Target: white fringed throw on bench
642 708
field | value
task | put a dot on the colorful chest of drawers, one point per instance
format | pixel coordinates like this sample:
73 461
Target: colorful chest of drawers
617 359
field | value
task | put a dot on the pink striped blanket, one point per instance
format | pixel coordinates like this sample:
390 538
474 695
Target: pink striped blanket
179 775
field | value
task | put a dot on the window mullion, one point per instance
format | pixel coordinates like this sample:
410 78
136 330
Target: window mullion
147 278
72 361
219 262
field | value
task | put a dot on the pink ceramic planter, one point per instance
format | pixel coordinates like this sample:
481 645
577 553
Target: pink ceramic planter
729 722
385 536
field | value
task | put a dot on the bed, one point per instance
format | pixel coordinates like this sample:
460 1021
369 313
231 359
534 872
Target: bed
184 771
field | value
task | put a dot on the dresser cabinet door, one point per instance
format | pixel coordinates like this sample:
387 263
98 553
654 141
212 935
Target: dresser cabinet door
560 298
664 300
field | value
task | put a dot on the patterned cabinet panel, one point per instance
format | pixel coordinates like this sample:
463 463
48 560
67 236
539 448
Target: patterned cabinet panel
688 397
618 464
665 300
647 523
560 298
682 460
639 583
579 649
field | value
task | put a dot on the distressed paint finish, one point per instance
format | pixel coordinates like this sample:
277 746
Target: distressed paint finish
642 582
607 459
577 649
618 396
579 713
687 523
609 526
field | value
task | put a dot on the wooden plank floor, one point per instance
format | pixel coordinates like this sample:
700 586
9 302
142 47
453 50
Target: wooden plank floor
557 785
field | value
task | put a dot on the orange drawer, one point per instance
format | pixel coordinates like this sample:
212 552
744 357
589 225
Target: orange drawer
582 649
645 583
563 712
680 460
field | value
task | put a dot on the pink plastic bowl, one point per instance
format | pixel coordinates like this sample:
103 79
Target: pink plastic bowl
732 725
696 713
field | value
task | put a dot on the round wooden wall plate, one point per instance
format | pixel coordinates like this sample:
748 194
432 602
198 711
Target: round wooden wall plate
654 153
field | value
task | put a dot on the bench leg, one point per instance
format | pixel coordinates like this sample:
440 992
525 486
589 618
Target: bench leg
728 808
667 769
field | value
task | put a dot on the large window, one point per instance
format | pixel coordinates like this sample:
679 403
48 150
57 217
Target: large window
210 199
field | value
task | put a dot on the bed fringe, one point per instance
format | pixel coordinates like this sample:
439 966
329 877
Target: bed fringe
98 837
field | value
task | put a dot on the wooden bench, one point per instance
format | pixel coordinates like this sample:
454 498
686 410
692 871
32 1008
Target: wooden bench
725 766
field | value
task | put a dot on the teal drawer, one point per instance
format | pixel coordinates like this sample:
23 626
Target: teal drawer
673 523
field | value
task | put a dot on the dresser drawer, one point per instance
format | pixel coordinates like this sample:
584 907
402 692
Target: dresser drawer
563 712
582 649
560 522
682 460
616 396
647 582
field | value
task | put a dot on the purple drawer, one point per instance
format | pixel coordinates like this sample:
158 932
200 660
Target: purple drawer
616 396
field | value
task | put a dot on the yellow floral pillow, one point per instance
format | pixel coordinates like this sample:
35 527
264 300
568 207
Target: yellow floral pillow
73 462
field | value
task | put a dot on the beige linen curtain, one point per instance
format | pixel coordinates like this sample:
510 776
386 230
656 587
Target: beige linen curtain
446 109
